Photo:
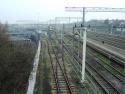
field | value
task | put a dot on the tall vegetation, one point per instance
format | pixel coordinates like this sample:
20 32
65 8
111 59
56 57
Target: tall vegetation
16 61
4 38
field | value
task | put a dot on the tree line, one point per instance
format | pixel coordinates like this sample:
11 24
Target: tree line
16 61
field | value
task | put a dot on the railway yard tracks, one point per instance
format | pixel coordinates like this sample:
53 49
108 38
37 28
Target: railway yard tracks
103 74
116 41
106 76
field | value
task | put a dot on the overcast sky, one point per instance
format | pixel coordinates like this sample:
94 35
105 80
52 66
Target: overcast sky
43 10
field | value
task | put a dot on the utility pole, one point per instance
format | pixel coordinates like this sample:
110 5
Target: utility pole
63 20
66 19
84 55
83 19
84 45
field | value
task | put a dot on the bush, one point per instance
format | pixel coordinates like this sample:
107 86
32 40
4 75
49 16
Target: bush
4 37
16 60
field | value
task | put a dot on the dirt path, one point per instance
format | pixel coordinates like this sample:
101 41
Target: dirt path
44 74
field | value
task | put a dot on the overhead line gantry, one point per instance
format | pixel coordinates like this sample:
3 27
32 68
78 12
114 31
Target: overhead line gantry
84 10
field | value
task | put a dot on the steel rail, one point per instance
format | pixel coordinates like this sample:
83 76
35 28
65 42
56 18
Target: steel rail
63 72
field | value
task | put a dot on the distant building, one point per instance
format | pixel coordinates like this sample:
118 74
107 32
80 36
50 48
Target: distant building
120 29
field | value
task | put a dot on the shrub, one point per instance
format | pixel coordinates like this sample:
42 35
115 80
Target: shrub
16 60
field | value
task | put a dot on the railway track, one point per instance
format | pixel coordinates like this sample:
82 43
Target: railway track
106 83
108 67
116 59
119 75
101 80
109 39
62 83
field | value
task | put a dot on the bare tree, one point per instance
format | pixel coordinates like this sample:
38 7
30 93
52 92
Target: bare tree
4 37
16 61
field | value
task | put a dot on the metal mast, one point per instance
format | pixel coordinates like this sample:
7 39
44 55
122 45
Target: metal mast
90 9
